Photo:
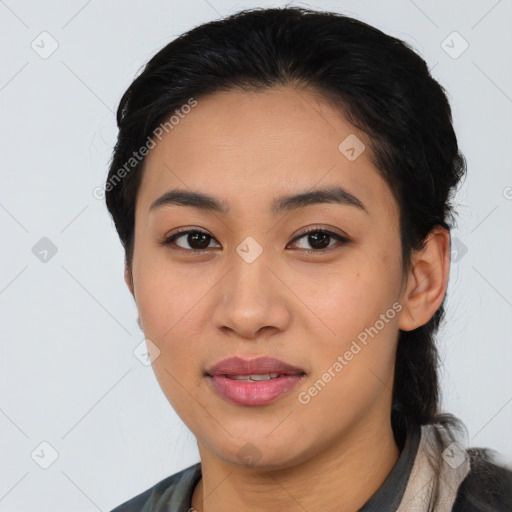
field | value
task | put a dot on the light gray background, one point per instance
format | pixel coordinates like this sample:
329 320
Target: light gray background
68 325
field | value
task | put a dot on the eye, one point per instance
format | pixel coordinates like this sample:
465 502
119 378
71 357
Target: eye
320 239
197 240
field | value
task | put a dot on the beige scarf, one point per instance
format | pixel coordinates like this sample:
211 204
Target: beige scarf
439 468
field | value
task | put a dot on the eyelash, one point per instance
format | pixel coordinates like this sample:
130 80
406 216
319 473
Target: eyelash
169 240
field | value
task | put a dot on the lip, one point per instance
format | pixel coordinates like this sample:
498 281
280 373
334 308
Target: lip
253 393
239 366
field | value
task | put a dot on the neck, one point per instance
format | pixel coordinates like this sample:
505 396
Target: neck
347 475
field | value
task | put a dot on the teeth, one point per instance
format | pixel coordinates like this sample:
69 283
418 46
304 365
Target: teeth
254 377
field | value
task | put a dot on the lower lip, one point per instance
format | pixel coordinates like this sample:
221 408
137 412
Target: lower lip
254 393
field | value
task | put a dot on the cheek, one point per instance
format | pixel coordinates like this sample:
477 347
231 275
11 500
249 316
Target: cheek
350 298
169 300
354 355
174 302
359 325
170 309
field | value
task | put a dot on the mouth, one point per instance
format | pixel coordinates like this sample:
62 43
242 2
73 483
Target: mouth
253 382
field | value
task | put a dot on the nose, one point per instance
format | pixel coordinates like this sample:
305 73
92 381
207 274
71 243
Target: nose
251 300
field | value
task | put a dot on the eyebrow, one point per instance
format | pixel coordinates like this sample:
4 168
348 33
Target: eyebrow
337 195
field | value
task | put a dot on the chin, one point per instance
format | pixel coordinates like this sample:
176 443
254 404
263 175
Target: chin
262 453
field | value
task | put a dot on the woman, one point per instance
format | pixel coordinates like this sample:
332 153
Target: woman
281 185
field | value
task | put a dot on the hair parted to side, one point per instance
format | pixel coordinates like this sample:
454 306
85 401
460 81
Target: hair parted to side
377 81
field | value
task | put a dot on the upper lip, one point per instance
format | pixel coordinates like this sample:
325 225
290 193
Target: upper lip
260 365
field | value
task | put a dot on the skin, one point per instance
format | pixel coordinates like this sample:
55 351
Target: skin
306 309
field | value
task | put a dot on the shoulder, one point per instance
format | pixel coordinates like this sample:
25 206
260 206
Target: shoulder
486 488
158 495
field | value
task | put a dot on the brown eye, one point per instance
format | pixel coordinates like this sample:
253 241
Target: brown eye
196 240
319 240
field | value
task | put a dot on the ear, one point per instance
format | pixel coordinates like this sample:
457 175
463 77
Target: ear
128 278
426 281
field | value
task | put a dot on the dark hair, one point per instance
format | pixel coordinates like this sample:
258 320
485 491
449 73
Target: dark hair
377 81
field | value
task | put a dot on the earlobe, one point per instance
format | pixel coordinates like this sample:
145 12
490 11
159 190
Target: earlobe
427 281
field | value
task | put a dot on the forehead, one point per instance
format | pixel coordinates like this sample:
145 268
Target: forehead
251 147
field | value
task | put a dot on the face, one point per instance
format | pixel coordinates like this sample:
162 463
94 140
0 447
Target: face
314 284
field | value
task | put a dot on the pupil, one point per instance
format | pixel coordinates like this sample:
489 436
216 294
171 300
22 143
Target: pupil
193 237
313 238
